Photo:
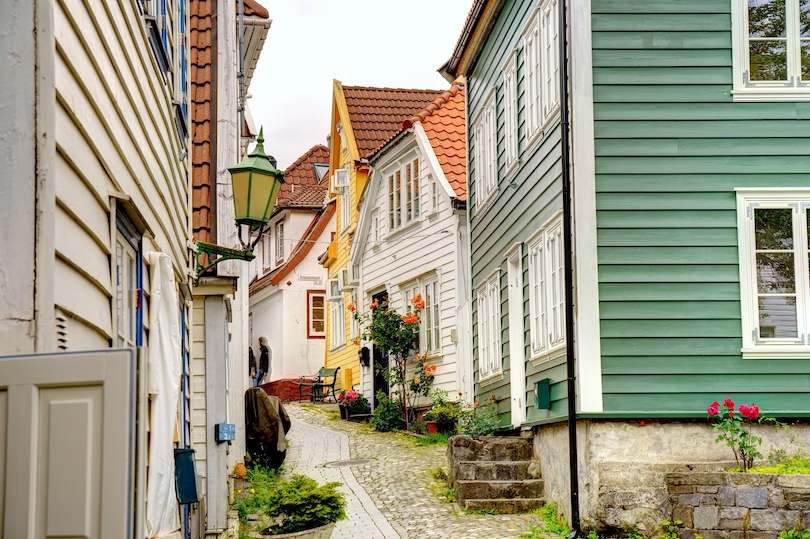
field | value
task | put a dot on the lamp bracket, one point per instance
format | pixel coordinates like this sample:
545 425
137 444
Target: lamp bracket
223 253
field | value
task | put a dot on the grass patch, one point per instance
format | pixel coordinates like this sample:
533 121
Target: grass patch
788 465
553 524
432 439
440 486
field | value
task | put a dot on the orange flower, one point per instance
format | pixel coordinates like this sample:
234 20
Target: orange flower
419 305
417 379
351 307
433 367
374 304
416 298
477 403
356 340
418 356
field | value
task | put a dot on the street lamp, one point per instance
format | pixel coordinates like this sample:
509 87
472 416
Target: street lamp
256 183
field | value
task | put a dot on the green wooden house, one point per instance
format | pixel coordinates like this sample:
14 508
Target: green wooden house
690 169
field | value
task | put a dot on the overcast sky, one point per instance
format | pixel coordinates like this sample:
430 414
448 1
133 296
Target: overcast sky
382 43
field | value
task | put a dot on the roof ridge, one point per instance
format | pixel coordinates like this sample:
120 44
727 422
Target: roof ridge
387 89
437 104
304 157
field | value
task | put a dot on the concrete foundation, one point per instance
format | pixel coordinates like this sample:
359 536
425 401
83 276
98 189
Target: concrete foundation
622 465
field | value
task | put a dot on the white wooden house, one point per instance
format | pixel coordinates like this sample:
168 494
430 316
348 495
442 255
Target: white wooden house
412 237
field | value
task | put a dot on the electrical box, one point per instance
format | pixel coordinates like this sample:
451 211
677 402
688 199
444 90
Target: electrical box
225 432
542 394
185 476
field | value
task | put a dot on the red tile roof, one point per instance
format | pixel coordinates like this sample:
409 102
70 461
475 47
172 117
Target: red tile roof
377 113
301 186
254 9
444 124
302 249
200 78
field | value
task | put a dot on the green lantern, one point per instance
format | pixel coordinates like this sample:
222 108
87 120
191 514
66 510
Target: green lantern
256 183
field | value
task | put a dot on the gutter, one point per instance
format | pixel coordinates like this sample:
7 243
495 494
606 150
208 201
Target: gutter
569 274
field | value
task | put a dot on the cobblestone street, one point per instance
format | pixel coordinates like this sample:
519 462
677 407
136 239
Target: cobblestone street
390 496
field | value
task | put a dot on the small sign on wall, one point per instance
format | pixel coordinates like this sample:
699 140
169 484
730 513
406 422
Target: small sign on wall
225 432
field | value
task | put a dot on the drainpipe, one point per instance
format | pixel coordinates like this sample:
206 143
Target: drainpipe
569 265
241 108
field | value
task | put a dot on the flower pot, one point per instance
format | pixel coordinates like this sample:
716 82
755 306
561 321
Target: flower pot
321 532
344 411
432 428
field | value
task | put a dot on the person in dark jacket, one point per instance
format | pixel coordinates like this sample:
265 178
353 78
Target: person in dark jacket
264 361
252 366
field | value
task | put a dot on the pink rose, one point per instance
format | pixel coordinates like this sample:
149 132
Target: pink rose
728 403
713 409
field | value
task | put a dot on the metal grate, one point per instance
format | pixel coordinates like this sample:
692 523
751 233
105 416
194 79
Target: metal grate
341 463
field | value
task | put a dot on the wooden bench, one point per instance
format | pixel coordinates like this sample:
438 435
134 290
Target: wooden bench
320 385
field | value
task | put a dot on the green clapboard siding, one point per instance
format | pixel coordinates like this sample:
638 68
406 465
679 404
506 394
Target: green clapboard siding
526 198
671 146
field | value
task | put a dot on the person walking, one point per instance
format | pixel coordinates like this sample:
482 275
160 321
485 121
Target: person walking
252 366
264 361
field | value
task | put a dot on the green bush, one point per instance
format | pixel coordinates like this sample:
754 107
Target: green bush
301 504
262 484
480 420
387 416
443 411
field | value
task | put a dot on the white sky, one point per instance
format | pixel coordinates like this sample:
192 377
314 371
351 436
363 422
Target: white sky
382 43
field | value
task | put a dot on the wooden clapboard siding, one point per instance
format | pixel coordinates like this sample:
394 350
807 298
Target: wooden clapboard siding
526 198
197 388
670 148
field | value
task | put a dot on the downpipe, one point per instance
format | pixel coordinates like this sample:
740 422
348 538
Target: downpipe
569 269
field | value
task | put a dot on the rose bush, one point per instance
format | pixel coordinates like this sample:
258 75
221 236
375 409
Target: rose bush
735 425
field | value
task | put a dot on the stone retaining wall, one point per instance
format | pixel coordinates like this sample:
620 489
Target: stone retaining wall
720 505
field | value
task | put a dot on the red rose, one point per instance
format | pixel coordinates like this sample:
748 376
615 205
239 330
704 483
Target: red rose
728 403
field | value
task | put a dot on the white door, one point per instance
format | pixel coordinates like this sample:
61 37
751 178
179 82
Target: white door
517 357
66 439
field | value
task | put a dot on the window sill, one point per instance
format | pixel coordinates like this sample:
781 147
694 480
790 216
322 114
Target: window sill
557 353
338 348
415 223
533 142
491 379
316 336
486 203
770 94
776 352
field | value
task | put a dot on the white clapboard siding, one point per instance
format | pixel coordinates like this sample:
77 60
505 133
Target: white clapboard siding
76 294
419 250
198 421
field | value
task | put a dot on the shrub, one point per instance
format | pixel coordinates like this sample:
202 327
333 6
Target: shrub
444 412
301 504
387 416
355 402
480 420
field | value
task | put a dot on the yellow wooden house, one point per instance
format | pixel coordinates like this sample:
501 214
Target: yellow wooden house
363 121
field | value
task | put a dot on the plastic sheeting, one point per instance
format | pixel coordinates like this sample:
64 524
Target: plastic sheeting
164 371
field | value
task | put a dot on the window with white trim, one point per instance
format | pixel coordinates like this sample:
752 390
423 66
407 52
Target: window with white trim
345 209
510 111
551 58
126 290
773 229
337 323
354 324
316 308
546 291
280 242
375 226
403 193
431 323
486 153
771 49
267 250
434 193
542 67
488 297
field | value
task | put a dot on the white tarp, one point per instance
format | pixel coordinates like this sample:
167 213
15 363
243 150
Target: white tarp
164 371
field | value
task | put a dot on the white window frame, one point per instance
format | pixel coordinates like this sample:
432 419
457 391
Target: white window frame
510 112
488 328
486 152
532 73
337 323
434 193
794 89
431 330
748 200
312 333
354 324
547 292
345 209
126 292
279 235
403 201
550 48
267 251
333 292
376 235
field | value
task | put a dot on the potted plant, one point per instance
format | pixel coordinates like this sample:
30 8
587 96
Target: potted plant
443 413
352 403
296 508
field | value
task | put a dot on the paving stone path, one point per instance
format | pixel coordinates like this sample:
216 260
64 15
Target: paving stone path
390 496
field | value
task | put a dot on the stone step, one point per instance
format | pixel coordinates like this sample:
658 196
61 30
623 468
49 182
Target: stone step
466 448
488 490
492 470
506 506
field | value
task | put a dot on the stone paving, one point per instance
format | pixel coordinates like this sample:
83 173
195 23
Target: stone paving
389 497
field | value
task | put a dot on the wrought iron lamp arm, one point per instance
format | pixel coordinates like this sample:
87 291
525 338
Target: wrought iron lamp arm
223 253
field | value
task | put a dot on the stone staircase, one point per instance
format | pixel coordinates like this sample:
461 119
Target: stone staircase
494 473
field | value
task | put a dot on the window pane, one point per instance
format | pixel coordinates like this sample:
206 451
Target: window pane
805 59
775 273
768 60
766 18
804 18
774 229
777 318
